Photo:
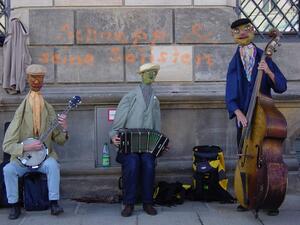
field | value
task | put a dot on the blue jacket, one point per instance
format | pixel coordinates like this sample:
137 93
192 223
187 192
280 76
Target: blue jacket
239 90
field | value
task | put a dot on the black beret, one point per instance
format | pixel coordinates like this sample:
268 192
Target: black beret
240 22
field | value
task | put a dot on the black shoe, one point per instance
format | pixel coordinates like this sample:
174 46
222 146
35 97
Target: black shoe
240 208
55 208
273 212
127 211
15 211
149 209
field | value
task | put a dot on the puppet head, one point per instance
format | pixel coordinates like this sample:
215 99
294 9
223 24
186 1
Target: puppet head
35 76
148 72
242 31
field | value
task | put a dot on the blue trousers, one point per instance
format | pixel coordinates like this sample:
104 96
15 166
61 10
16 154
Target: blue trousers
135 166
14 169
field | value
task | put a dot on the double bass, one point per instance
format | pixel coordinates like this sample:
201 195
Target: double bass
260 177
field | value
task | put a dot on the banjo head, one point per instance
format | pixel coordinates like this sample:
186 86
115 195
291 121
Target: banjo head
33 158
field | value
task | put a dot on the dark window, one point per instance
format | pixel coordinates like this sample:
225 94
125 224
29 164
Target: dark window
4 12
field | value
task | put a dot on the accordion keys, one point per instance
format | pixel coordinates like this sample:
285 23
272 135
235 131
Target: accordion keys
142 140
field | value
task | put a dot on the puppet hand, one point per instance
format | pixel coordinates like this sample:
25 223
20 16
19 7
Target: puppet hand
36 145
116 141
241 119
62 120
264 66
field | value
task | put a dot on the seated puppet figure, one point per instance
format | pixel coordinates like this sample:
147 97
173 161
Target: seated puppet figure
31 119
138 109
241 75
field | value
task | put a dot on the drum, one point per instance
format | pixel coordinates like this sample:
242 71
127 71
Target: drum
141 141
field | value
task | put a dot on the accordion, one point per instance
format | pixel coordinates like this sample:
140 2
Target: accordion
141 141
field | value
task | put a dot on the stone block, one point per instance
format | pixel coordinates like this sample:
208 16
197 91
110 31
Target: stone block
287 59
135 56
87 2
124 26
30 3
1 65
231 3
175 62
203 25
44 56
51 26
211 62
89 64
76 151
158 2
23 15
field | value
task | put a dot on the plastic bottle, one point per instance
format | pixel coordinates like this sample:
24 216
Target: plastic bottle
105 156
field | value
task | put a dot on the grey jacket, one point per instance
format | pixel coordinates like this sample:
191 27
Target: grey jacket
133 113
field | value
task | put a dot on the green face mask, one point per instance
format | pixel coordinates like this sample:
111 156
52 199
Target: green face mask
243 34
149 76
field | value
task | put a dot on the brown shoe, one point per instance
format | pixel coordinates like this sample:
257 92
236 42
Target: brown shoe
127 211
149 209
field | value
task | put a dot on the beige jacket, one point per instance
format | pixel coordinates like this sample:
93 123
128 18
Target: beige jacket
21 127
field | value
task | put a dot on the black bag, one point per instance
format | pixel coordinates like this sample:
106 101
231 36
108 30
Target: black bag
169 194
3 198
6 158
209 174
205 182
35 191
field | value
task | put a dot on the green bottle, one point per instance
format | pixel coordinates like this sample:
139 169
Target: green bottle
105 156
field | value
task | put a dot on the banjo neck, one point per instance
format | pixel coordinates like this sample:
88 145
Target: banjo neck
53 125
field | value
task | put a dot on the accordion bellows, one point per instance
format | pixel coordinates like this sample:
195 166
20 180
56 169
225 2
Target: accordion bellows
142 140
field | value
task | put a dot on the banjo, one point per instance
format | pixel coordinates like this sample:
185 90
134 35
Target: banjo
34 159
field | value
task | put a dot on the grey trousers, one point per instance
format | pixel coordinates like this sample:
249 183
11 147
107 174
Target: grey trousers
13 170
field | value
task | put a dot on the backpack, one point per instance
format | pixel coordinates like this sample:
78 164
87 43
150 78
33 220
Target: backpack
169 194
209 177
3 198
6 158
35 191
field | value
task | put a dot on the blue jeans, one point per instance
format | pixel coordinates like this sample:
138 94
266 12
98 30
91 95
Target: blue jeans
13 170
135 166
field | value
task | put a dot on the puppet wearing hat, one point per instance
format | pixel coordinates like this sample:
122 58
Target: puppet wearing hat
31 119
241 75
138 109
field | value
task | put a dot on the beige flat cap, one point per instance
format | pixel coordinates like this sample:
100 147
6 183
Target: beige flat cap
148 66
36 69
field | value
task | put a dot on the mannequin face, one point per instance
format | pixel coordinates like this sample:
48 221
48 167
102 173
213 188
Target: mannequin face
35 82
243 34
149 76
